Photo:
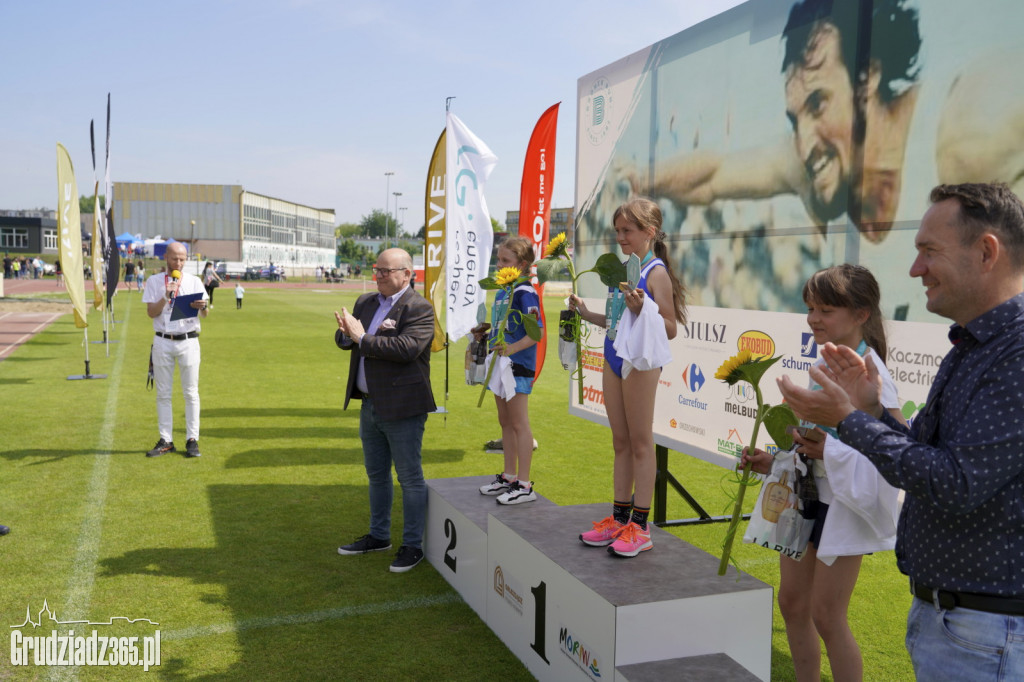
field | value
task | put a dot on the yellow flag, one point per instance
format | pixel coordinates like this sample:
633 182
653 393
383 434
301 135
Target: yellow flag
69 227
434 261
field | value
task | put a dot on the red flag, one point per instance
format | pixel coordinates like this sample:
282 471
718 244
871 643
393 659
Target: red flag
535 201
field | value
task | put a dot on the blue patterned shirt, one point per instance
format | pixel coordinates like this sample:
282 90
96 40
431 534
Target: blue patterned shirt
961 462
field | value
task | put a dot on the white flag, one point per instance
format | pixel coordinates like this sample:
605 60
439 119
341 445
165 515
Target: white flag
469 236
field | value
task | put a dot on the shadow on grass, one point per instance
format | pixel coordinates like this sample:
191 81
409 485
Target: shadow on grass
22 358
51 456
283 457
257 412
11 382
284 432
277 571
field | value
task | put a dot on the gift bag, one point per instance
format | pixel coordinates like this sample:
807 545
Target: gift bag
476 362
777 521
566 339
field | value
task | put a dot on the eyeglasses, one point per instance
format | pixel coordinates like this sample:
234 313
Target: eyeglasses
386 271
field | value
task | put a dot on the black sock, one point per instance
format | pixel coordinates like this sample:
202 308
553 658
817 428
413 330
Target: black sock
639 516
620 511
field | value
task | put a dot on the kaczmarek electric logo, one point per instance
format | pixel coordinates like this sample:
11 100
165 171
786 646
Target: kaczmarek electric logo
71 643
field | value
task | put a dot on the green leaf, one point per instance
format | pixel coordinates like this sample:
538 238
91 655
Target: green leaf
753 371
531 327
549 268
489 283
776 419
610 269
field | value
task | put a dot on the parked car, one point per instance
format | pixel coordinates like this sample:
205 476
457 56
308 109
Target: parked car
251 273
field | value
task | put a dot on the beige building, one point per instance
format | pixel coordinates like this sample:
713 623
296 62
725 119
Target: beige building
227 222
561 221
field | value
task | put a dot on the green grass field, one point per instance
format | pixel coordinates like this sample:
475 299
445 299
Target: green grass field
234 554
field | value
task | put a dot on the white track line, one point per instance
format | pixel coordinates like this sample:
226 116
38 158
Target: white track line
83 568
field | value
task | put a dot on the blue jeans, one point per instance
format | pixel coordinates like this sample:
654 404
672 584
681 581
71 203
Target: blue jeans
963 644
400 442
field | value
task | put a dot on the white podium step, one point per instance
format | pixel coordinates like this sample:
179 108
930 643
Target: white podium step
570 611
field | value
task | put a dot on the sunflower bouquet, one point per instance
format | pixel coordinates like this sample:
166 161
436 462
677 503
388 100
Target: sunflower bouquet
570 328
745 366
506 279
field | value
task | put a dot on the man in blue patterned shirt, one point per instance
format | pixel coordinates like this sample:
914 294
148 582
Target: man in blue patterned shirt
961 462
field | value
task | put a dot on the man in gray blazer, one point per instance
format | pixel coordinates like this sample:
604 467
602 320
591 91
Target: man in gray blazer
389 334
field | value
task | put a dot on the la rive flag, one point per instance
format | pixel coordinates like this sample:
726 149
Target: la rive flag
433 287
69 229
468 237
535 202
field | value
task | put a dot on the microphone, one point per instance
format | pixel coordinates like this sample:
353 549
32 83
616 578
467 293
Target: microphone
175 276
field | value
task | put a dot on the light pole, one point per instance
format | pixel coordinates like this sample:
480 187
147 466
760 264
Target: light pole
387 191
397 194
192 241
402 221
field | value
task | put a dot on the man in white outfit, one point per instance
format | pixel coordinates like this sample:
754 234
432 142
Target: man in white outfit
175 341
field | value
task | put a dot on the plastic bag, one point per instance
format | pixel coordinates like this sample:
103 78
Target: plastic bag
777 521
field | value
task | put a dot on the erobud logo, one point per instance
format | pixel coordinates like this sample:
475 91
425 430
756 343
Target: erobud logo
695 380
757 342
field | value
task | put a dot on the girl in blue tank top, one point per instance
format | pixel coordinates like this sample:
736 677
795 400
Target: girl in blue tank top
629 401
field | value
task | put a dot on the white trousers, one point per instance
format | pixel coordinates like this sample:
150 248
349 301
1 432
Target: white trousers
186 354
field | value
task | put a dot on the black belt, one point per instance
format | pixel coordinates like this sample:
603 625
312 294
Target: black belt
978 602
178 337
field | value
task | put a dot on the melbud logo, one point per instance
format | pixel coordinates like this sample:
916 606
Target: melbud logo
695 380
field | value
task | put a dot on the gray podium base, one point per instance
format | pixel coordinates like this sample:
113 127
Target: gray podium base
708 668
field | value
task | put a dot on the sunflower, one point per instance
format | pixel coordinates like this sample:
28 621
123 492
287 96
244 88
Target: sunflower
729 371
556 247
506 276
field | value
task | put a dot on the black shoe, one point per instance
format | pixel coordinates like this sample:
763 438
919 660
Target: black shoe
406 558
192 448
160 448
365 544
4 530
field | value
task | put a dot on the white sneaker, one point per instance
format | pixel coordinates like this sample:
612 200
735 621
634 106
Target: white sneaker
517 494
497 486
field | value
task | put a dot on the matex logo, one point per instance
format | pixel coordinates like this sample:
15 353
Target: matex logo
757 342
579 653
808 346
693 377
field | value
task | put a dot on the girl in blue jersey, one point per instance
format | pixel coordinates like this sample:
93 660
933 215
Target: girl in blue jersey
513 486
629 400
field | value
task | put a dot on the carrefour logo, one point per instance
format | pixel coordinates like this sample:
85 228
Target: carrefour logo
695 380
808 346
757 342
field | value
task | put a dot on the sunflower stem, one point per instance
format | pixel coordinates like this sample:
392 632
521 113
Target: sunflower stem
737 511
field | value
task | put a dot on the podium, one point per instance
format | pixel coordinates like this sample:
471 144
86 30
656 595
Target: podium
569 611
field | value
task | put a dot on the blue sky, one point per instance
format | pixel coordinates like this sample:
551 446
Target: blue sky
305 100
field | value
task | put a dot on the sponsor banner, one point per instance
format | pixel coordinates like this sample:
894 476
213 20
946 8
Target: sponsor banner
704 417
70 233
434 262
535 202
468 234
